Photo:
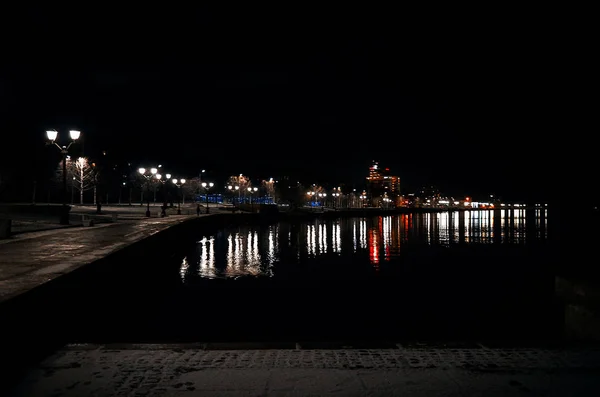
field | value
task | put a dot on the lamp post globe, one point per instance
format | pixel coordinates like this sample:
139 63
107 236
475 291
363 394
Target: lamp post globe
74 134
52 134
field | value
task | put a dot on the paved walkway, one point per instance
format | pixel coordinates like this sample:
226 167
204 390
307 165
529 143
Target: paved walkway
31 259
183 371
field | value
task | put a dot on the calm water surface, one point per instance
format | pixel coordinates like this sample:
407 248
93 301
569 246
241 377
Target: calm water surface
252 250
445 276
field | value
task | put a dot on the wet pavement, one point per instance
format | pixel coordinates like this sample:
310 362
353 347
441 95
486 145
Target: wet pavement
31 259
174 370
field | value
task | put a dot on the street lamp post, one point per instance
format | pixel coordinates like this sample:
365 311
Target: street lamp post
162 182
200 179
178 183
237 188
335 197
143 173
311 195
121 191
252 190
322 196
64 150
207 186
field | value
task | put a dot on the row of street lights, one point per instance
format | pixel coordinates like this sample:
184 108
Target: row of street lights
148 174
153 173
237 188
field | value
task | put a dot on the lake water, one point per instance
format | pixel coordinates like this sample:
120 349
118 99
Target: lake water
445 276
375 246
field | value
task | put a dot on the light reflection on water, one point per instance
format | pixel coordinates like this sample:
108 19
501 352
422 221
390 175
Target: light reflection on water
256 250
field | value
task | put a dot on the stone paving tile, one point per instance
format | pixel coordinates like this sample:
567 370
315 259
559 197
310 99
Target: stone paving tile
102 371
193 359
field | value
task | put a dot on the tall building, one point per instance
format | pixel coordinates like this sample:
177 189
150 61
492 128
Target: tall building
381 183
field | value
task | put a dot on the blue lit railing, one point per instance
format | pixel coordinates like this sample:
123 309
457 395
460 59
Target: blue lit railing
254 200
212 198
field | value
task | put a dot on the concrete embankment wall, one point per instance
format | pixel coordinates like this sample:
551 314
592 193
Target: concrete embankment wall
95 297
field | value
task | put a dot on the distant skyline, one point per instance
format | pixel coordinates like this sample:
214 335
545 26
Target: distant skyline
453 110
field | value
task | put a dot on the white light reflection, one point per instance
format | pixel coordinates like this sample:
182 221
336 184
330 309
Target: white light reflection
183 269
229 250
484 226
232 254
252 264
271 257
363 233
249 248
517 225
310 239
444 233
546 224
491 225
322 238
455 226
206 266
255 253
387 226
337 239
243 256
235 265
475 226
467 218
428 226
203 263
354 240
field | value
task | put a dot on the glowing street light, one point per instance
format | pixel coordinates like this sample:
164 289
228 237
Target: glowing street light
312 195
52 135
178 183
252 190
162 181
236 187
335 198
143 172
207 186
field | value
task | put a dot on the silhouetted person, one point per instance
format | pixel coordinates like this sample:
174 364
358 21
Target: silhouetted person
163 211
98 207
198 209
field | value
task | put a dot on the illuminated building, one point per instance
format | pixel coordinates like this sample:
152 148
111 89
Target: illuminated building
381 183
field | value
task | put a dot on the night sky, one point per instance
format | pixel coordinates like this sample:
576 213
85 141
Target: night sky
316 95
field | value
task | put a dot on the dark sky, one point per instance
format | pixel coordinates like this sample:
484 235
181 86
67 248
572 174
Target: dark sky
315 94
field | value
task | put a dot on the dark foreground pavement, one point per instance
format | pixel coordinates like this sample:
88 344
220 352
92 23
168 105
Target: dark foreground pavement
173 370
31 259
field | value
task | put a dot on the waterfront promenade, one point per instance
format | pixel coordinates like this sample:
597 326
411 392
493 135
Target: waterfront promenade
28 260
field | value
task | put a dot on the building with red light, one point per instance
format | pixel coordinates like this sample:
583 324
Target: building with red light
381 183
